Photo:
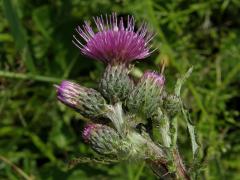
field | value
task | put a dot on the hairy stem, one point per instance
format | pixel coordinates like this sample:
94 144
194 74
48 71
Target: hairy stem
160 169
180 167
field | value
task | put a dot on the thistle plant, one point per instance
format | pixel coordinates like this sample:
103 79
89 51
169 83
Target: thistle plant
125 105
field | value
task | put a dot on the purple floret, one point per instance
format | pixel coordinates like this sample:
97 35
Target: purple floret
87 131
159 79
68 92
114 41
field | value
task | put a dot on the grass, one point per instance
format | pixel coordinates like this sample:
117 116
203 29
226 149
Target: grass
38 135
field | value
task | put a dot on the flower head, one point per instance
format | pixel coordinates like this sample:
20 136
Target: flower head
116 84
102 138
147 96
114 41
68 93
88 102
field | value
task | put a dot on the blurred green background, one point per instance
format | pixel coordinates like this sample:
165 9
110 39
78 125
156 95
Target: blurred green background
38 135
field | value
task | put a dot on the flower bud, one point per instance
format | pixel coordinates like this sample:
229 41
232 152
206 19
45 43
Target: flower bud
116 84
103 139
146 97
172 104
106 141
88 102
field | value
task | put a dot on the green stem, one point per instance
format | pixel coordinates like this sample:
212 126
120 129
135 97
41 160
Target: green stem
29 77
17 169
181 169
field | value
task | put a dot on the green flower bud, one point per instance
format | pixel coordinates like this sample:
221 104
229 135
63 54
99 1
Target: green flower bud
103 139
146 97
106 141
88 102
172 104
116 84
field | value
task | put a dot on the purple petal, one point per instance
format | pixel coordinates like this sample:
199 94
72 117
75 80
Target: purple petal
114 42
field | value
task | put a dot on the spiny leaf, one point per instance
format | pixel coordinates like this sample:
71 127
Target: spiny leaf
81 160
191 130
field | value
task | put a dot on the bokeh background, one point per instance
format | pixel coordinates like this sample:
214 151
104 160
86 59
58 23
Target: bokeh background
38 135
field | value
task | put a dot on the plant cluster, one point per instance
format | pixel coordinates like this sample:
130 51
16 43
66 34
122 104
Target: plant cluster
130 120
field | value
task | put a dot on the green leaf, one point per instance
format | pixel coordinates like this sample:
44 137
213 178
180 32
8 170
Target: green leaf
80 160
17 29
18 33
192 133
42 146
181 81
42 20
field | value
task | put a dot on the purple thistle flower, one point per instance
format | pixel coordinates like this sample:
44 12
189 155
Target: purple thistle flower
68 93
114 42
88 102
156 78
